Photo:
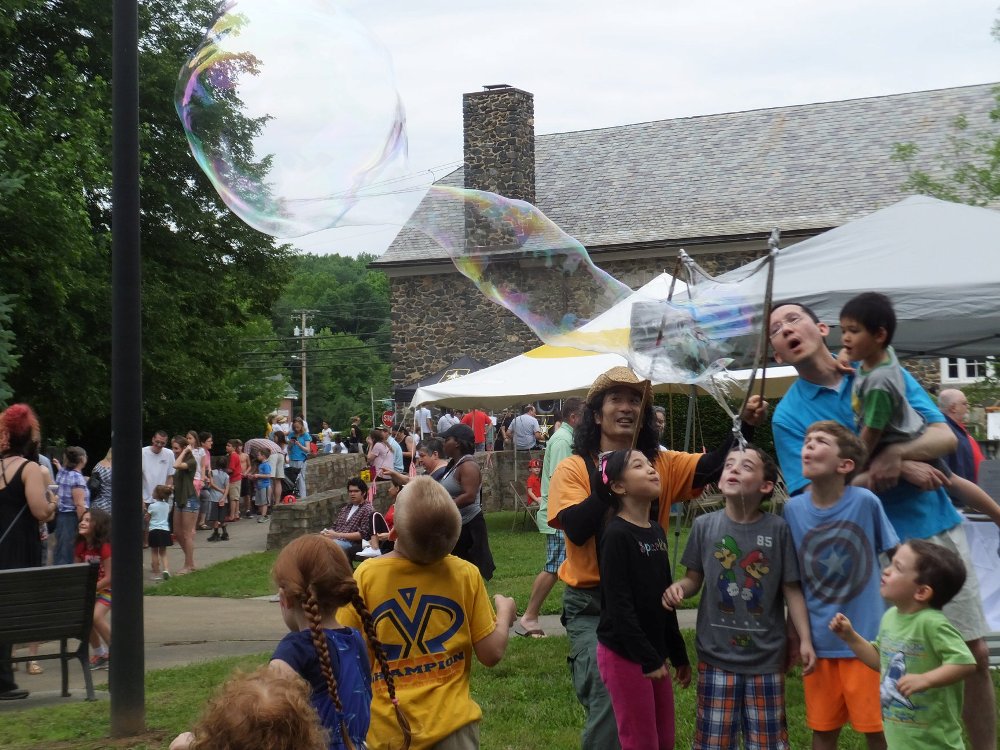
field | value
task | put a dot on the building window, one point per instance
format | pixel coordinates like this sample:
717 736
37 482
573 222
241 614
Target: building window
962 370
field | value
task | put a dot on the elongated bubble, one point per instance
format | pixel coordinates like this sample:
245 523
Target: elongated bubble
694 331
291 109
520 259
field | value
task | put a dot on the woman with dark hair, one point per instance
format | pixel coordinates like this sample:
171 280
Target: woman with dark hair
24 502
356 436
298 452
74 499
380 456
464 482
100 484
186 491
203 455
408 444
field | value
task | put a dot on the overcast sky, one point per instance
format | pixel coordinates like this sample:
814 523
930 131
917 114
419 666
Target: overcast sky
594 65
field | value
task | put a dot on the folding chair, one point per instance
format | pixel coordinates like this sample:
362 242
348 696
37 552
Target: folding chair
709 500
778 497
521 503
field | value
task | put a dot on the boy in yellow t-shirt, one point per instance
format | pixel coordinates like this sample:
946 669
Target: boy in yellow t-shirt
430 612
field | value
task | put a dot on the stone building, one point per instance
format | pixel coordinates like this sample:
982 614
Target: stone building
634 195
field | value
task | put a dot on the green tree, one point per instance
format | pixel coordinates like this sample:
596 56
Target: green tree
970 171
206 275
10 183
342 373
349 356
347 295
986 391
55 264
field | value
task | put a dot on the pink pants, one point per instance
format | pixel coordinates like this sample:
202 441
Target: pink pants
644 708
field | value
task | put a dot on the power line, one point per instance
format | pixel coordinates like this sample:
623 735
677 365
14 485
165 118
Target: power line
314 352
276 368
285 339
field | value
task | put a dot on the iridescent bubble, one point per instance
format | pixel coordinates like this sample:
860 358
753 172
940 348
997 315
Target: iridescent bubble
702 335
520 259
291 109
695 333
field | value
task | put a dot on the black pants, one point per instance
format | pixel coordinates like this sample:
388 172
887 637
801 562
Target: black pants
474 545
6 669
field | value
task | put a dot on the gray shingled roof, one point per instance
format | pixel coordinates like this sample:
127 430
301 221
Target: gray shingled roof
810 166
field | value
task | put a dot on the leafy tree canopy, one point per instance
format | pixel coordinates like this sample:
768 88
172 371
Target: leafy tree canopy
970 172
206 276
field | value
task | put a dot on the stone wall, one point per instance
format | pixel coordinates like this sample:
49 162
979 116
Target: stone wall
317 511
331 471
926 371
438 318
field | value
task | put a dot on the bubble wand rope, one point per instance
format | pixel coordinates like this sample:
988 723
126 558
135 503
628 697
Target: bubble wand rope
774 244
647 392
760 361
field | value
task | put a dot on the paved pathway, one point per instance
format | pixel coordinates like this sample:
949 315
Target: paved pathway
184 630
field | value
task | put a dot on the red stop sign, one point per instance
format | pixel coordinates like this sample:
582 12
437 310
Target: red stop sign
387 418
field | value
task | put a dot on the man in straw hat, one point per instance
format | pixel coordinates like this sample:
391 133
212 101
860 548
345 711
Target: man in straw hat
618 411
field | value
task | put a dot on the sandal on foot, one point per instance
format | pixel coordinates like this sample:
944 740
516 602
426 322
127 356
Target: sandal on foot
520 630
34 667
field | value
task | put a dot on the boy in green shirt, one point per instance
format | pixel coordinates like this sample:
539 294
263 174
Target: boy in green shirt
923 659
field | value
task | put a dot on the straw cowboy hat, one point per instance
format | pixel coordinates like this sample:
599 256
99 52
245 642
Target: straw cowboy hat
615 377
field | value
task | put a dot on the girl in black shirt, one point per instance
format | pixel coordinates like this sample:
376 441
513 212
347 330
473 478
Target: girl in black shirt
636 636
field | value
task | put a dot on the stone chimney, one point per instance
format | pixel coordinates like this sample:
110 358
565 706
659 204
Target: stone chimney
499 126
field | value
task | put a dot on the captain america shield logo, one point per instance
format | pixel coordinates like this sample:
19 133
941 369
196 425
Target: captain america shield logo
837 561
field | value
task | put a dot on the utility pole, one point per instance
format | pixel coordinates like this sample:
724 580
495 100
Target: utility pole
302 333
128 694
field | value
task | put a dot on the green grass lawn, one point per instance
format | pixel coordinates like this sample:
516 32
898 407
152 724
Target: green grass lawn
527 700
519 556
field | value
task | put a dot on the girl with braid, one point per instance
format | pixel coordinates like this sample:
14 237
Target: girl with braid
314 579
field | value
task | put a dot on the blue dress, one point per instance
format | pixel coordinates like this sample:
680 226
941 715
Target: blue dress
349 657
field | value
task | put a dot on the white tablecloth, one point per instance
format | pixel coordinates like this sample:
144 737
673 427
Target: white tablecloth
984 539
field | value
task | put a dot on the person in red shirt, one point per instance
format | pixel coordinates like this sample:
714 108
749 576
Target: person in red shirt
478 421
235 471
534 481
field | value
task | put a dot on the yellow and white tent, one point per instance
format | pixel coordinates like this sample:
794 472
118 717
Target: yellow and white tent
548 372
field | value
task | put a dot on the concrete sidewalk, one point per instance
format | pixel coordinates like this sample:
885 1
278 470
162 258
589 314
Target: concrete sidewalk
182 630
179 630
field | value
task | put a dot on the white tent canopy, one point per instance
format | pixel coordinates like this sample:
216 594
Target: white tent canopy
559 372
938 262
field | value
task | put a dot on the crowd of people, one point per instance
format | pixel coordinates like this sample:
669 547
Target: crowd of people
864 579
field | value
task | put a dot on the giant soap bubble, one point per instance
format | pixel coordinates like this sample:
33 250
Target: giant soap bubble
291 110
695 333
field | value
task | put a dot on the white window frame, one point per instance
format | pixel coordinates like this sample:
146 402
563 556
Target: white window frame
963 365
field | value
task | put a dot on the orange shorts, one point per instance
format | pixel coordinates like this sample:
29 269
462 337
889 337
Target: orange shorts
842 690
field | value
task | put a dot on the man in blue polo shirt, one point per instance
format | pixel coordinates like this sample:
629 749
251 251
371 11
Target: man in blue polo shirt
909 489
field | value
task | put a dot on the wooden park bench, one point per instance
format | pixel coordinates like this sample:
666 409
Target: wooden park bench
50 604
